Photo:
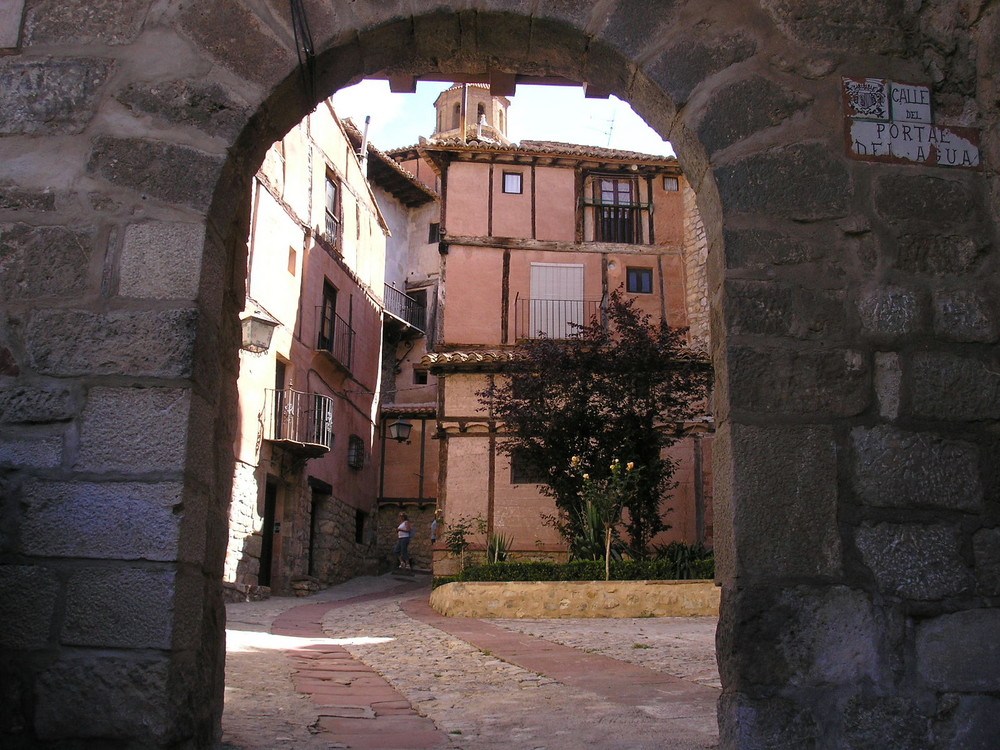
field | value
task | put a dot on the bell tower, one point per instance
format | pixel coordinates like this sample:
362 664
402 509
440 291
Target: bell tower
485 115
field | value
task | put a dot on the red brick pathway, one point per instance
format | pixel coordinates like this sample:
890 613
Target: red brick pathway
357 707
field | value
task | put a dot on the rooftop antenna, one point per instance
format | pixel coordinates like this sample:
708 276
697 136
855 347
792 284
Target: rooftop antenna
611 128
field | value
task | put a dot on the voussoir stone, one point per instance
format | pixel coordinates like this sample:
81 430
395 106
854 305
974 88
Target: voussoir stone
682 66
82 21
49 97
207 107
168 172
744 108
115 520
914 561
897 469
628 28
67 253
845 25
71 342
803 181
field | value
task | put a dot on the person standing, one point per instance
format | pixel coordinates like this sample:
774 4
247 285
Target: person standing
403 532
435 526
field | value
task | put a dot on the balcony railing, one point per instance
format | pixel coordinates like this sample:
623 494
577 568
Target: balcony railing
336 337
301 422
617 224
551 318
403 307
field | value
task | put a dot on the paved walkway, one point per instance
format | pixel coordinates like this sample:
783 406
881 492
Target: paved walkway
380 669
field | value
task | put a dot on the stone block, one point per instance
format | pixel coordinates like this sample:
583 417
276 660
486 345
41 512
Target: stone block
634 26
50 96
766 723
31 451
963 315
10 23
935 201
35 405
888 379
914 561
767 308
967 722
682 66
801 637
114 521
8 363
67 256
744 108
825 382
896 469
207 107
881 721
167 172
136 430
803 182
889 312
15 199
131 704
84 21
758 249
986 549
952 387
939 255
843 25
234 36
784 492
28 596
157 343
960 651
161 260
119 608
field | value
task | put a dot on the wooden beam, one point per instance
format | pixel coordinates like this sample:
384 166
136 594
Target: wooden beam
592 92
502 84
402 84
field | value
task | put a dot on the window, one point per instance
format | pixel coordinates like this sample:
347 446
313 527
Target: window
332 211
420 377
456 117
323 428
616 210
328 317
355 452
639 280
671 184
525 471
292 258
513 182
555 308
434 233
480 112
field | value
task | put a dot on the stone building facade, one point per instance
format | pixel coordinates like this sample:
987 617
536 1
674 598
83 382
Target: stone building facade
852 305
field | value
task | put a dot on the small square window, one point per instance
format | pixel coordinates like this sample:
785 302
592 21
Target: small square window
292 260
639 280
513 182
671 184
420 377
434 233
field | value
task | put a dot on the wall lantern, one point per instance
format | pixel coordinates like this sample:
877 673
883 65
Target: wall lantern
400 430
258 327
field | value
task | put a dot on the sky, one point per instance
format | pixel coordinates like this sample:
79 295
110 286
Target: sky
540 113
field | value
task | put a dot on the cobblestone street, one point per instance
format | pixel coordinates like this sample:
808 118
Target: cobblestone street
368 665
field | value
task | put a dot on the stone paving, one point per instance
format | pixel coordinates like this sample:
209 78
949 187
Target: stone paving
369 665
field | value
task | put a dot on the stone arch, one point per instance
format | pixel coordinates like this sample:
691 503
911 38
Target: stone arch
853 336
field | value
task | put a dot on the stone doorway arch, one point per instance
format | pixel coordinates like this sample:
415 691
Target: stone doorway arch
854 341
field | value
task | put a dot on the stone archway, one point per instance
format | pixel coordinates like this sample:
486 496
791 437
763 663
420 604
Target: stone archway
853 332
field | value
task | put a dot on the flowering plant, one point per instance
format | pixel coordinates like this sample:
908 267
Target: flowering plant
603 500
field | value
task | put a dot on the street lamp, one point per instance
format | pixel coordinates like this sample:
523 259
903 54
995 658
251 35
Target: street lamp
258 328
400 430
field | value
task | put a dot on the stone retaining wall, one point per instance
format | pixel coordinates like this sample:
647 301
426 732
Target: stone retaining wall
537 599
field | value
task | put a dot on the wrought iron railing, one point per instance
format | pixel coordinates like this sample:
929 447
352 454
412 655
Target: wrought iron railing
299 418
551 318
401 305
336 337
617 224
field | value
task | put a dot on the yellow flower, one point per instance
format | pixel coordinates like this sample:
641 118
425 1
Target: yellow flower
586 476
629 466
575 460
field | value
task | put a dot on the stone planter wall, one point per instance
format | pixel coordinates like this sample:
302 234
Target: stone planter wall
537 599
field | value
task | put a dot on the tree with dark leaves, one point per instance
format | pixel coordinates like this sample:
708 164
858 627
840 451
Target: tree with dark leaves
619 388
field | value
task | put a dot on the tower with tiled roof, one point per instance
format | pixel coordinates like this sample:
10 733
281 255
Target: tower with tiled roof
485 115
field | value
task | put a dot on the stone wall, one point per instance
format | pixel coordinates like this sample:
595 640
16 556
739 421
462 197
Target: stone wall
695 271
854 333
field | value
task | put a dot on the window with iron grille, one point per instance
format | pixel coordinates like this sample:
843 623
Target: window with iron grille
327 322
639 280
617 212
355 452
